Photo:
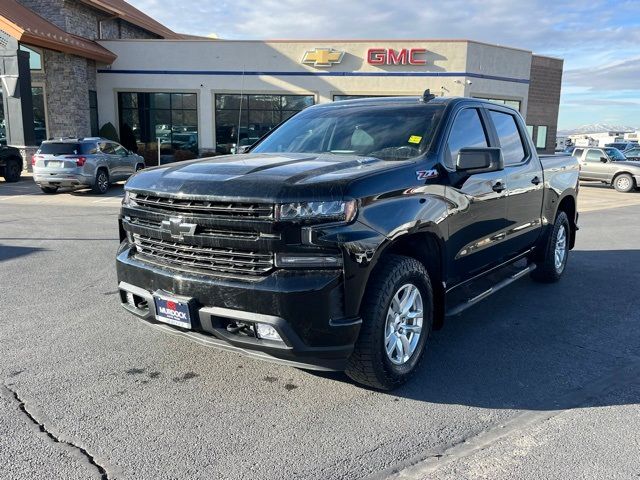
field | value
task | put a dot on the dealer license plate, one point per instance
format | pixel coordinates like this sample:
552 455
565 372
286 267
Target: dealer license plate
173 312
54 164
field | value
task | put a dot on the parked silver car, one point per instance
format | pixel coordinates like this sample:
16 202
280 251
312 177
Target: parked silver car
610 166
82 162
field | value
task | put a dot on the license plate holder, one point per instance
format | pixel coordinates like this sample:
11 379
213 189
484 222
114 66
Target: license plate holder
173 310
55 164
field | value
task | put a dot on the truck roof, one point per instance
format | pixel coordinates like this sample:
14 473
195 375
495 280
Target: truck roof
403 101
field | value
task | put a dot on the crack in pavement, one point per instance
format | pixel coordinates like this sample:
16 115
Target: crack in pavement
23 408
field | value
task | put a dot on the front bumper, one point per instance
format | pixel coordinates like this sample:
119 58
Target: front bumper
305 307
62 179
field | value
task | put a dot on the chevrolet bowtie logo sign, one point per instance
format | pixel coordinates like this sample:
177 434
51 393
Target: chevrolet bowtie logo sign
322 57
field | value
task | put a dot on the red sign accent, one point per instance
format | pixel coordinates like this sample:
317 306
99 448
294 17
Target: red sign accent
389 56
171 305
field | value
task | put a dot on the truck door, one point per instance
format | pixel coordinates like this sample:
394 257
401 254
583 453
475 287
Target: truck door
592 166
478 211
525 185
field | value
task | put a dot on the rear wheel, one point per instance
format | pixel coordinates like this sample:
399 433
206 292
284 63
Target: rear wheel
12 170
623 183
101 184
397 316
553 261
49 190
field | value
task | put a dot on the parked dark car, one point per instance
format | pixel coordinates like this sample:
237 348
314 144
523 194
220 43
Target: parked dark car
633 154
622 146
346 234
10 163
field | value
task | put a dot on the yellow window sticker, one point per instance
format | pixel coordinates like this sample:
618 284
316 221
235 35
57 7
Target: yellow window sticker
415 139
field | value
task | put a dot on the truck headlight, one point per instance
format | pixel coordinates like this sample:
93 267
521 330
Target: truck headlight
129 199
335 210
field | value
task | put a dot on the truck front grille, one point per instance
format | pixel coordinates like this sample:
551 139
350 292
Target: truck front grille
232 210
213 260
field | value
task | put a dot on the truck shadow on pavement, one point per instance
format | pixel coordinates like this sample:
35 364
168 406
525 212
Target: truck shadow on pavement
539 347
8 252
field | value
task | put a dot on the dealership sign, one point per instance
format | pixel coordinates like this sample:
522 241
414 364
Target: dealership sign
322 57
389 56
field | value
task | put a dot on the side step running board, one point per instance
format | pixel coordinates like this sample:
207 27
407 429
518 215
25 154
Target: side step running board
497 287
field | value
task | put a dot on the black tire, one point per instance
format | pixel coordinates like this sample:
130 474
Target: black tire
548 271
12 170
623 183
101 184
49 190
369 364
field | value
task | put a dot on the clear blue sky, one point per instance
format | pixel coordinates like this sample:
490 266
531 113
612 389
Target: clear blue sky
599 40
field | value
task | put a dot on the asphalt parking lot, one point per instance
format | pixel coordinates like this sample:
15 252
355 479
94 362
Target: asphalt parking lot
538 381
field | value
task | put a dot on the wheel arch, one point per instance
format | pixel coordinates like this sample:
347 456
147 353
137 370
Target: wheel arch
569 207
428 248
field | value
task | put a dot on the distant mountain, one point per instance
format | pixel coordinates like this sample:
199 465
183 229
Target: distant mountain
597 128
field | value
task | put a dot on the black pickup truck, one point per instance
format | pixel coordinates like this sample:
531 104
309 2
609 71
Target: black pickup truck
10 163
348 233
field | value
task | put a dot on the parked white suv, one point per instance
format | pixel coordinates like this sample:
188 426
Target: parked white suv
82 162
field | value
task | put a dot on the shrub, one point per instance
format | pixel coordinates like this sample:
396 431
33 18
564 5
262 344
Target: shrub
181 155
129 138
109 132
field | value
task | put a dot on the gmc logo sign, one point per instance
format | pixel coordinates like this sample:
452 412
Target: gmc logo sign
389 56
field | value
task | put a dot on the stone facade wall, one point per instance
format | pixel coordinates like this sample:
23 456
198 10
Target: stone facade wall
52 10
68 79
129 31
544 97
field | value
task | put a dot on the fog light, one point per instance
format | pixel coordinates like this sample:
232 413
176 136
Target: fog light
284 260
130 300
267 332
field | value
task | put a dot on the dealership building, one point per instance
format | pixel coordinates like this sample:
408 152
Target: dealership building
71 66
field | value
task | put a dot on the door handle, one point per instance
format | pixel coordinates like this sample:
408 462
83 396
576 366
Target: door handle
535 180
498 187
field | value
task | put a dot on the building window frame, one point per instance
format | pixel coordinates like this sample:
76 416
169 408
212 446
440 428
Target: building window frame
247 93
40 52
539 130
93 108
46 109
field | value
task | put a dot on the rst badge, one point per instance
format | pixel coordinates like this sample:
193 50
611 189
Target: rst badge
426 174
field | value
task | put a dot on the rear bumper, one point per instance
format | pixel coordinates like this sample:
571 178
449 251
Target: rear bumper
62 179
304 306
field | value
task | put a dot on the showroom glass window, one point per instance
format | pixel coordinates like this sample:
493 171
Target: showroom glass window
337 98
39 119
170 117
541 137
244 119
93 113
3 130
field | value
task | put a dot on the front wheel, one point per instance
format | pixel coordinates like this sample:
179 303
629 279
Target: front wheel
553 260
397 316
623 183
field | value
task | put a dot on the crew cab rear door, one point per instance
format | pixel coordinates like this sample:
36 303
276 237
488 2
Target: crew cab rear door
524 175
478 212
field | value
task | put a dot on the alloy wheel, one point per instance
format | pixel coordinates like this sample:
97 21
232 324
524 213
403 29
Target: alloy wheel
404 324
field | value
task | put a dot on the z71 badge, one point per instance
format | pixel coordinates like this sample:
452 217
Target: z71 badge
426 174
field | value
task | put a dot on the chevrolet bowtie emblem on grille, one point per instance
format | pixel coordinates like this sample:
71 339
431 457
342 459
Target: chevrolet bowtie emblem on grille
177 228
322 57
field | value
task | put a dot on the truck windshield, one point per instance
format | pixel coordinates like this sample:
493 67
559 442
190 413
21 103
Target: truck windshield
385 132
615 154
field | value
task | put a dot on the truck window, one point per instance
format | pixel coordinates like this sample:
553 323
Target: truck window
593 155
385 132
466 132
513 150
578 152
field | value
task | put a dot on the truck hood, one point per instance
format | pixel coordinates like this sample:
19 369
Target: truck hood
259 177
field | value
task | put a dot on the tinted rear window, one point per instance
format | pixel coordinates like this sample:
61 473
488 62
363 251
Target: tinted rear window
66 148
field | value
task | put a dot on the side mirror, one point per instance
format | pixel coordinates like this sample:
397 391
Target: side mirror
604 159
243 149
480 160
